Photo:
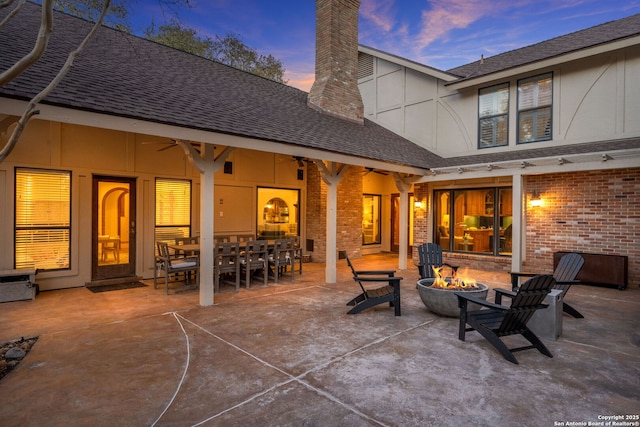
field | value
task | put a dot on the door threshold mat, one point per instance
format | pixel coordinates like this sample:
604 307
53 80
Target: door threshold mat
116 287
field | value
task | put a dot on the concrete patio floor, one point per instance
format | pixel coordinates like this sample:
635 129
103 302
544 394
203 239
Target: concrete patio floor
289 355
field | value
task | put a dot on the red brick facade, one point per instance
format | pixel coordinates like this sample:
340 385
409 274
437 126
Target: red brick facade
335 90
349 213
596 212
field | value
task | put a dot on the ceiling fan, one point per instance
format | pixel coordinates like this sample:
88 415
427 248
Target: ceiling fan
301 160
172 143
369 170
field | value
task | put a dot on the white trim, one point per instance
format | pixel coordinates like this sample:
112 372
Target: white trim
106 121
604 160
545 63
425 69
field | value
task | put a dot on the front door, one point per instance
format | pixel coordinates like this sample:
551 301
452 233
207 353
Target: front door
114 227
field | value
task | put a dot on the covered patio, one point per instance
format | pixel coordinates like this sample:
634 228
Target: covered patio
288 354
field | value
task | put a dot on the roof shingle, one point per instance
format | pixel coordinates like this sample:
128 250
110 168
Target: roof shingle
583 39
124 75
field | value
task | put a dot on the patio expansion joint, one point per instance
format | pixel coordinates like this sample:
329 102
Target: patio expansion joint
603 349
292 378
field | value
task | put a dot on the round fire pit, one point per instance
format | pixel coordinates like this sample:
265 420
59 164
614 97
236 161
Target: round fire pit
444 301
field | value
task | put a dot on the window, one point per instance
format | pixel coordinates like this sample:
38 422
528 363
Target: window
278 213
534 108
466 220
371 204
493 116
43 219
173 209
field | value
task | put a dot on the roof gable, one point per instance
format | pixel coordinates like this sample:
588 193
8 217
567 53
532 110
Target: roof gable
595 36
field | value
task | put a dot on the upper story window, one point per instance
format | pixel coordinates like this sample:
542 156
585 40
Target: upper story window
493 116
43 219
535 98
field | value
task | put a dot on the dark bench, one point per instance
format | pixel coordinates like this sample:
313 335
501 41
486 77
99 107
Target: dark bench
600 269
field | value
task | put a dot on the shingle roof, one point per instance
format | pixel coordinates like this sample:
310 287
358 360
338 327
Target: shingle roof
590 37
124 75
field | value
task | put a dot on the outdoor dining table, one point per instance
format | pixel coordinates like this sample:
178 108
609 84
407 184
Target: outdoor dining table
194 248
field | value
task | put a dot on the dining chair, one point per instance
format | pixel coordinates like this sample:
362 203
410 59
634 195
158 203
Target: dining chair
255 258
281 258
226 263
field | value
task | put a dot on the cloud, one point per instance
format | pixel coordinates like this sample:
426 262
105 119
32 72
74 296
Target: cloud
447 15
379 12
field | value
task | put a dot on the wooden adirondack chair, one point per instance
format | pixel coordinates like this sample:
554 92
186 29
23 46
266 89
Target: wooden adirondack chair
497 320
370 297
565 274
430 255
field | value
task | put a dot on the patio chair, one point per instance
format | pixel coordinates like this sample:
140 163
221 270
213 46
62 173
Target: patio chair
370 297
565 274
496 320
226 263
430 256
173 266
281 258
180 241
297 255
255 257
111 245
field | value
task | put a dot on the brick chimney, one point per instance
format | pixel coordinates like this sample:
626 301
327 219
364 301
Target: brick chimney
335 90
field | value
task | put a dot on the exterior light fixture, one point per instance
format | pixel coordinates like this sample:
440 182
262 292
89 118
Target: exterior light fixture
535 201
418 204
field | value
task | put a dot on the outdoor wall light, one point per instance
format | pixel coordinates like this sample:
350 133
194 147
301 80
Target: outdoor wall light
418 204
535 201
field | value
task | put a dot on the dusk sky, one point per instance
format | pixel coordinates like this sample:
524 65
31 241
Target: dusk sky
438 33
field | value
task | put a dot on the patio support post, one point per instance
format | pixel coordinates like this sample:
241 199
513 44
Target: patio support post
331 175
207 221
207 164
519 223
403 185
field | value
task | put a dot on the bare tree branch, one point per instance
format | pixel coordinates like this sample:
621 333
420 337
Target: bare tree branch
11 14
6 3
46 26
31 109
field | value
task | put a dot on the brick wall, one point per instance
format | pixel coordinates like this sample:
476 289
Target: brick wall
349 213
335 90
596 212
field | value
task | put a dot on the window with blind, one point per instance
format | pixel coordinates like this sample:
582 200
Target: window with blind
43 219
535 97
493 116
173 209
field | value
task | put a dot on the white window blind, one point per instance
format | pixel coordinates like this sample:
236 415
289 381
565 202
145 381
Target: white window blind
493 116
173 209
535 98
43 219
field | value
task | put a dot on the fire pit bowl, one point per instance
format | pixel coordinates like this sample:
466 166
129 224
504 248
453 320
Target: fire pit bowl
444 302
